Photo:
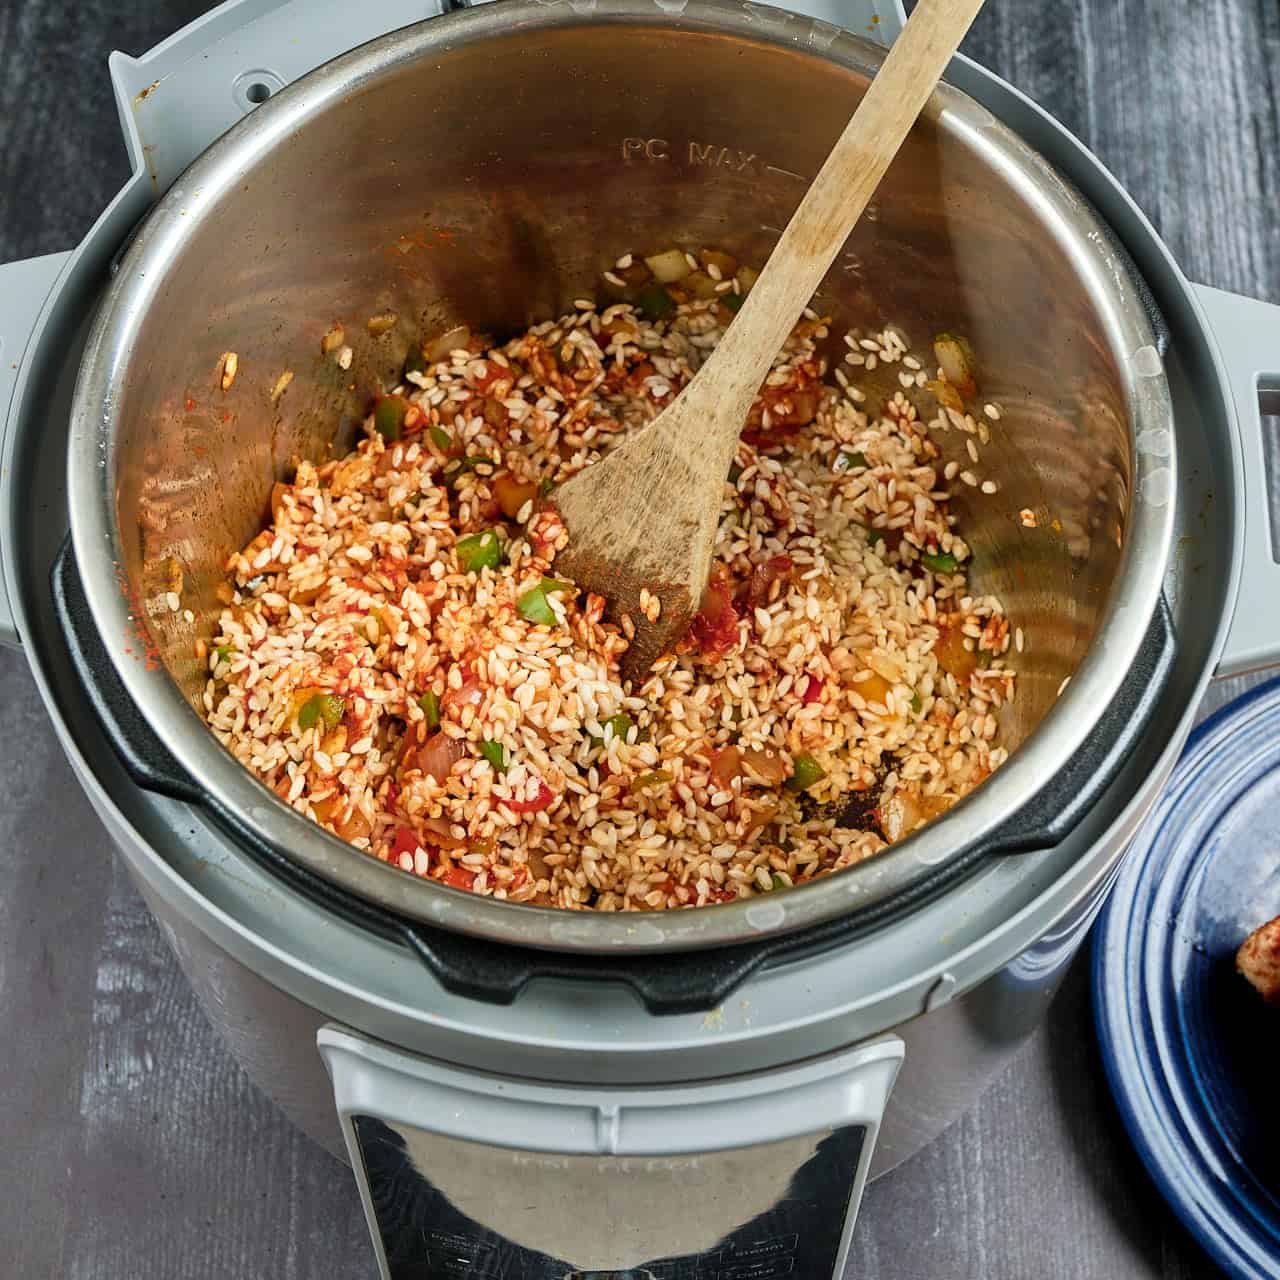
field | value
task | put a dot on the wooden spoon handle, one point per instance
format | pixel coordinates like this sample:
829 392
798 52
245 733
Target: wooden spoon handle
839 194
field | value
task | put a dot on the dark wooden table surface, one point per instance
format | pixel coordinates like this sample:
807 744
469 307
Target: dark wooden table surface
131 1146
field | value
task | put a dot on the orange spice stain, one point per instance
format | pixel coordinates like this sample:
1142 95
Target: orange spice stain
137 615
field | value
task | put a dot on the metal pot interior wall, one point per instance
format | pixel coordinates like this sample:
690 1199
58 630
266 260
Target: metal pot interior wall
491 186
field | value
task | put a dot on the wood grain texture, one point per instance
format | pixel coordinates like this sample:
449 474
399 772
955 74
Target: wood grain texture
131 1146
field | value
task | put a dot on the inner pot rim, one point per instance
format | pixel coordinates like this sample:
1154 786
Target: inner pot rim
1128 611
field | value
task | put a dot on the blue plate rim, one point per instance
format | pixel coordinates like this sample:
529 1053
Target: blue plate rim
1174 1164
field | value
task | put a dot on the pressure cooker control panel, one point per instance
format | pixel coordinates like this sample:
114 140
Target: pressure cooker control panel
464 1173
426 1236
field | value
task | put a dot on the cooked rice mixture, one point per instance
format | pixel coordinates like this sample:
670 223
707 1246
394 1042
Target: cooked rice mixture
399 662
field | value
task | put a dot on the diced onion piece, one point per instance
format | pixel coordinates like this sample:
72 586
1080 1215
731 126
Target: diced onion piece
882 664
805 402
947 396
762 817
669 266
437 756
875 688
747 276
452 340
955 359
952 656
621 324
469 694
725 263
763 576
354 825
438 833
697 284
768 765
905 811
636 276
512 494
726 764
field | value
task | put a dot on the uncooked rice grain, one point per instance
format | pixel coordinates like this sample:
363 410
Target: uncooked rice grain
825 666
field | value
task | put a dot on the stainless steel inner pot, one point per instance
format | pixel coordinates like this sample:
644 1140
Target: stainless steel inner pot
484 168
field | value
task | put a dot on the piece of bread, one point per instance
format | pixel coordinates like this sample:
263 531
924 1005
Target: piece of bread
1258 960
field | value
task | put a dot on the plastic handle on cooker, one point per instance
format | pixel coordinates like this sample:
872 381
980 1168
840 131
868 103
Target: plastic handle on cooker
24 286
1248 337
177 98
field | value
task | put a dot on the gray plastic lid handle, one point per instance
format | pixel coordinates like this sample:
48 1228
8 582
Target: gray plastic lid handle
24 286
1248 336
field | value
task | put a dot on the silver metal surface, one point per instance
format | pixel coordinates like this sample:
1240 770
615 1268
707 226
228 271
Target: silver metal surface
24 286
758 1171
1248 337
249 942
327 202
269 965
956 1040
222 896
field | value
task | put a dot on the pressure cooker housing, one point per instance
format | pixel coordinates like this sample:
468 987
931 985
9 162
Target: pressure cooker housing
960 981
550 151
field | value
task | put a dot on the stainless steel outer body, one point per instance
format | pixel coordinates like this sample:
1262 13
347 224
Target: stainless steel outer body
322 194
269 966
269 1012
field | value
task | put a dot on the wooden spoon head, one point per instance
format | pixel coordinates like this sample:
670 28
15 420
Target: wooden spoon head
627 590
642 525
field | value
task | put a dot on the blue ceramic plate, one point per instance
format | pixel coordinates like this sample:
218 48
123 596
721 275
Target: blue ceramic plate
1192 1053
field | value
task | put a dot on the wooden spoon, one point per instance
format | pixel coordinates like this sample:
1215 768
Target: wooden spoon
645 516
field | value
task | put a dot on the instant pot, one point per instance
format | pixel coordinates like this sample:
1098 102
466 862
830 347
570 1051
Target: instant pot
523 1092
